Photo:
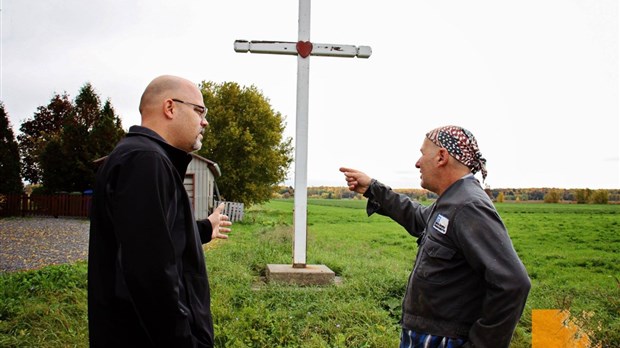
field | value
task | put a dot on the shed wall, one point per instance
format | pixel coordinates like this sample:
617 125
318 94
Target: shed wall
203 183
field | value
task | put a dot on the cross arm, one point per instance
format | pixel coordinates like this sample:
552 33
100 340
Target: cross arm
290 48
273 47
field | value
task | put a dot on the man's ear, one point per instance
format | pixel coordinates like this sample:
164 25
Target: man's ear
169 108
443 157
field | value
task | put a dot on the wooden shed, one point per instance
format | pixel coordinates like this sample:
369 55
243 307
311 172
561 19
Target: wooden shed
200 185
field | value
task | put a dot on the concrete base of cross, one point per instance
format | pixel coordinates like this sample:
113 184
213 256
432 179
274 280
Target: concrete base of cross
309 275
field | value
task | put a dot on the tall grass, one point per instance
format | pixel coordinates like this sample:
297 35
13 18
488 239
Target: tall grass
570 251
44 308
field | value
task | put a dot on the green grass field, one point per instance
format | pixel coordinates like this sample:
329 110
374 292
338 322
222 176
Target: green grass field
571 253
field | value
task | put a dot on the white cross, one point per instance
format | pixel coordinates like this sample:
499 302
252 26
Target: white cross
303 48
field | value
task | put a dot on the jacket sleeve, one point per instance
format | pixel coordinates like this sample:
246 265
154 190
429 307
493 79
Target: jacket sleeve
143 203
205 229
400 208
485 244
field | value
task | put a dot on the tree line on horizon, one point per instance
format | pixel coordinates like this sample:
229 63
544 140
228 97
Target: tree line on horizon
56 149
547 195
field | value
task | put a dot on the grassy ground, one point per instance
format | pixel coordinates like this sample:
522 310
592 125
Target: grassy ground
570 251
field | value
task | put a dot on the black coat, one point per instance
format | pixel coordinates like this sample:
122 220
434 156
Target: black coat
147 278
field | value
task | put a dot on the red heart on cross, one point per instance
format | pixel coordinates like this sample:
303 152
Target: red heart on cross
304 48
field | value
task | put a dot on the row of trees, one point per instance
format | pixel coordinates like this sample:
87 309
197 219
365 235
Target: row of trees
556 195
57 147
548 195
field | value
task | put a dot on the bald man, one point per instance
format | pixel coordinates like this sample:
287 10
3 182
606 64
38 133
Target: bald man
468 286
147 278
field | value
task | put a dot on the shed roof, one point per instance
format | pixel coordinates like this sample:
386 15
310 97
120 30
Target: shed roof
213 167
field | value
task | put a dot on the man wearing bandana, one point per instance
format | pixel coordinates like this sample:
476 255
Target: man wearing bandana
468 286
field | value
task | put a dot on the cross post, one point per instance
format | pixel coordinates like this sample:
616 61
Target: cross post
303 48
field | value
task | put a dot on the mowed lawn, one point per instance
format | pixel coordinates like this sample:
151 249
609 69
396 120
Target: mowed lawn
571 253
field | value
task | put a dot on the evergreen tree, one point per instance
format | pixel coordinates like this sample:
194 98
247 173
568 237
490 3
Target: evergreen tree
78 160
87 106
63 140
76 145
89 133
46 124
106 132
52 163
9 157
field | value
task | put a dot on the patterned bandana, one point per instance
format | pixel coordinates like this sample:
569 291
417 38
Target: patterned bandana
461 145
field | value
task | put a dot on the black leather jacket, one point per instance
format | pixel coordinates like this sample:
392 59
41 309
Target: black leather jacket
147 278
467 281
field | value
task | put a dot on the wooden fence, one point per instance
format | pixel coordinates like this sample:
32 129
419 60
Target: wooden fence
45 205
234 210
68 205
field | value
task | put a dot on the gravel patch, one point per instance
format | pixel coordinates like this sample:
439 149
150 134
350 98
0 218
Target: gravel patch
31 243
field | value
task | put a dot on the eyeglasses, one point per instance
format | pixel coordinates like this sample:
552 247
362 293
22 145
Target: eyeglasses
200 110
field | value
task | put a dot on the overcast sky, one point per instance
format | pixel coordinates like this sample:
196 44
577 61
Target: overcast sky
536 81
